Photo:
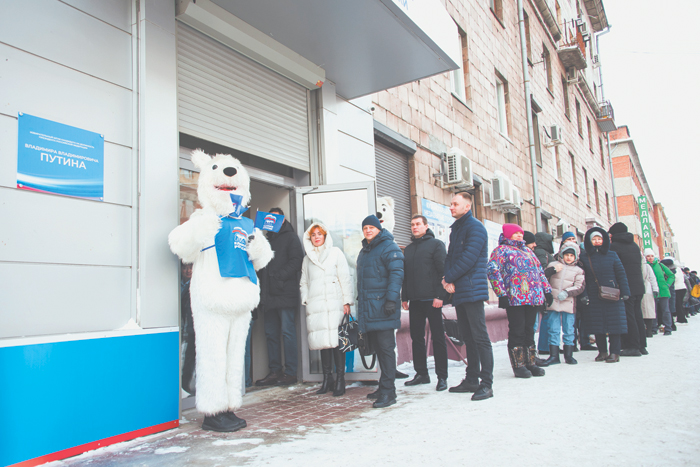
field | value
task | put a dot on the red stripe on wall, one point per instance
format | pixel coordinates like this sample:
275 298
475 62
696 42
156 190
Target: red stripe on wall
74 451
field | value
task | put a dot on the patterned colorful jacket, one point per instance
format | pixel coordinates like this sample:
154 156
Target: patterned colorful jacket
514 271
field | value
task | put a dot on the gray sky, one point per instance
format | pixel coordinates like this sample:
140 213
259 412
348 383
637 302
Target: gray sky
651 74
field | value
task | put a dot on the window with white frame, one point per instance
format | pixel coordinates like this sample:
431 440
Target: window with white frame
502 103
458 77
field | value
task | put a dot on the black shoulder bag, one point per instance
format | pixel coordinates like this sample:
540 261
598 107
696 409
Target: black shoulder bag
605 293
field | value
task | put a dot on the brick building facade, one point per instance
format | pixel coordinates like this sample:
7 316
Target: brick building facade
481 110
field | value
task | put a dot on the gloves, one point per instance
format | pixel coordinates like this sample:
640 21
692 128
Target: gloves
656 295
548 298
585 300
563 295
549 272
625 298
389 308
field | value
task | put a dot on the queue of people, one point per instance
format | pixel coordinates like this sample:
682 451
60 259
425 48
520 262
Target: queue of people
604 287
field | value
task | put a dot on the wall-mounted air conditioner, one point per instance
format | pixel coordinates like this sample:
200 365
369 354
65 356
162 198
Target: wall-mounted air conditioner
486 194
502 189
459 169
555 134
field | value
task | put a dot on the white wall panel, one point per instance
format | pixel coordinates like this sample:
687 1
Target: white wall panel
55 299
118 174
355 121
159 286
8 151
38 87
115 12
43 228
62 34
355 154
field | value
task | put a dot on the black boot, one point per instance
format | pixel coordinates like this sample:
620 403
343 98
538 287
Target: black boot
340 372
327 366
569 355
531 361
517 361
553 355
225 422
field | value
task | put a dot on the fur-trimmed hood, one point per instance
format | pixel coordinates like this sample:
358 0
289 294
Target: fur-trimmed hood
590 249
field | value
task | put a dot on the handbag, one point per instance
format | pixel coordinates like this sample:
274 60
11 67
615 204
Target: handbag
364 345
348 334
696 291
605 293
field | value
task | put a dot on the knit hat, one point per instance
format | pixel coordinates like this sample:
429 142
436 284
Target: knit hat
529 237
567 235
667 261
569 248
617 227
649 251
373 221
596 234
510 229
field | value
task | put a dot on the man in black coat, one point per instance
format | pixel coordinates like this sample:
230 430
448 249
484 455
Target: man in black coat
634 343
280 301
422 295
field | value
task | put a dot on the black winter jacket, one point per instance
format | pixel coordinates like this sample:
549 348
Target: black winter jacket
603 316
280 278
544 249
631 256
379 279
465 265
424 266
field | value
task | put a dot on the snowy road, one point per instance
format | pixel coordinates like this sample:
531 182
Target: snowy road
642 411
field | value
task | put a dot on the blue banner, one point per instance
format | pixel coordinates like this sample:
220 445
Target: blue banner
59 159
268 221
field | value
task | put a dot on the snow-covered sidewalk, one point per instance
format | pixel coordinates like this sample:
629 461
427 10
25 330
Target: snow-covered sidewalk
641 411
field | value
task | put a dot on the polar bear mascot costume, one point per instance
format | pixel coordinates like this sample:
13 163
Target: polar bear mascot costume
385 212
225 250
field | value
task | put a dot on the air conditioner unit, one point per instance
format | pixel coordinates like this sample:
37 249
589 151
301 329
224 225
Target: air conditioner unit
571 75
502 190
555 134
517 199
459 169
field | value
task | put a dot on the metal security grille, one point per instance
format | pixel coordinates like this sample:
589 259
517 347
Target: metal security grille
226 98
392 180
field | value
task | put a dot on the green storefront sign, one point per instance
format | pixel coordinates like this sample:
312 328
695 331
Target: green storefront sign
646 222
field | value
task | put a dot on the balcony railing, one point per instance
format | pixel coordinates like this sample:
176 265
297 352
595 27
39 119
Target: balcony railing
572 50
606 117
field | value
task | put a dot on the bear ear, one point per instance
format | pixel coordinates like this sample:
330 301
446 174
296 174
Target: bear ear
200 158
389 201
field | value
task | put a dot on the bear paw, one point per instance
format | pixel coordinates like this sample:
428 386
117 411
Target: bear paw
259 250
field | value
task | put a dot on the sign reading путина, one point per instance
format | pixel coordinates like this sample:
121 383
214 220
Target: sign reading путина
59 159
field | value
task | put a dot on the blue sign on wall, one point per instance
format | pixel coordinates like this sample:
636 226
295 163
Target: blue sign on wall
59 159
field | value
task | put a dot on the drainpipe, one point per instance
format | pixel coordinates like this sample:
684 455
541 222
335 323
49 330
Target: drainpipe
528 111
612 177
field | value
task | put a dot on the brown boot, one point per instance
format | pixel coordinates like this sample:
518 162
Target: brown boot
270 379
601 356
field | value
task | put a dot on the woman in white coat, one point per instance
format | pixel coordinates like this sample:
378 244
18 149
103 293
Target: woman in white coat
651 290
326 290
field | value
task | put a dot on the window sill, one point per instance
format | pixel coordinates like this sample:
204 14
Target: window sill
580 134
576 195
539 164
559 181
462 101
505 136
500 21
550 92
568 117
592 151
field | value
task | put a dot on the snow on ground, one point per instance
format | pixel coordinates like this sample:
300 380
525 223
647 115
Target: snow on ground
641 411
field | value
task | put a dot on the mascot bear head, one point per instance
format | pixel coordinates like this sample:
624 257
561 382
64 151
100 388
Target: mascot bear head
220 177
385 212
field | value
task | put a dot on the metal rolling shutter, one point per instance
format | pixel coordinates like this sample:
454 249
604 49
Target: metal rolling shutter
392 180
226 98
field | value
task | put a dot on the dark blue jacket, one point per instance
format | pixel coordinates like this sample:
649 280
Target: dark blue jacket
465 265
379 279
603 316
